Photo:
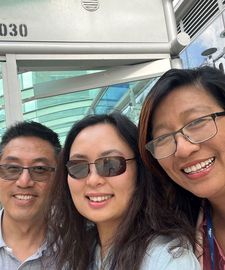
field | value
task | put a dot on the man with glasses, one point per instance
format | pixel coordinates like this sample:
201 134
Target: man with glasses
28 162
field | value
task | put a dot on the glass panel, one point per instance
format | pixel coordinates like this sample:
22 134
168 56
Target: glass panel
111 96
2 103
60 112
133 107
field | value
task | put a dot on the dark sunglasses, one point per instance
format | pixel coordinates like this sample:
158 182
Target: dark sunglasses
106 167
37 173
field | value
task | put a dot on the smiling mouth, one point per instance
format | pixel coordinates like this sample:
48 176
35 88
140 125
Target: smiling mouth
23 197
99 198
201 166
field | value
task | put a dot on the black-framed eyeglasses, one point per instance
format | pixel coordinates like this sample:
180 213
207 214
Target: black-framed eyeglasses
105 166
197 131
37 173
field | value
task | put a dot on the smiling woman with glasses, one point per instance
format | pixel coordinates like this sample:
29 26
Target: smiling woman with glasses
107 213
182 141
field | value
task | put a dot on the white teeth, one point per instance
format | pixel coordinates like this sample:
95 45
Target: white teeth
23 197
100 198
199 166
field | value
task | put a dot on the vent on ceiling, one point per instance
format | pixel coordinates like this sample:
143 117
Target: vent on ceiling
198 16
90 5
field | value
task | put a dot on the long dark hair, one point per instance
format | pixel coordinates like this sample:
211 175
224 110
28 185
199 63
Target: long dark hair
183 203
145 218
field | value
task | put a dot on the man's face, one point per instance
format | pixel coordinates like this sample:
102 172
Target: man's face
24 199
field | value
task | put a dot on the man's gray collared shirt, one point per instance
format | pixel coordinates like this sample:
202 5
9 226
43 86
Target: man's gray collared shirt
42 259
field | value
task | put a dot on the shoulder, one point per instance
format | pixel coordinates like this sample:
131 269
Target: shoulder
159 256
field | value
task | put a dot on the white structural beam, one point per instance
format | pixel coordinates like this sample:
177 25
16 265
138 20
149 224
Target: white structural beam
170 19
102 79
83 48
12 93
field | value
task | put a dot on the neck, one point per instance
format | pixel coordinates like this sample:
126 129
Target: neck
29 234
106 234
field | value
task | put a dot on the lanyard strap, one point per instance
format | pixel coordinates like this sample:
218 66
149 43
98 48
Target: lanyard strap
210 237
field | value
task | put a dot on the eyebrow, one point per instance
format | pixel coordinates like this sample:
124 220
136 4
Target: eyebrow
186 113
111 151
16 159
195 110
105 153
78 156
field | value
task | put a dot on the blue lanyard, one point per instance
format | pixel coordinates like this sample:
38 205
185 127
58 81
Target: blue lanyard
210 237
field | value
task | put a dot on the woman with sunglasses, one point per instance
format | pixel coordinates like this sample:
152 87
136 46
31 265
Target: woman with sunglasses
106 211
182 141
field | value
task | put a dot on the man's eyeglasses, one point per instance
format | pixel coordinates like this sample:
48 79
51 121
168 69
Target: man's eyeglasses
106 167
37 173
197 131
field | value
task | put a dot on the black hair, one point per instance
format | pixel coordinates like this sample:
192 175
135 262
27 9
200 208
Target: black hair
31 129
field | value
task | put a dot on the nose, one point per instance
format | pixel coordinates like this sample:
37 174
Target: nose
24 180
184 147
93 178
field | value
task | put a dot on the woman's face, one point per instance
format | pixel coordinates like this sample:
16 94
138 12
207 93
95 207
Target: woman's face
199 168
100 199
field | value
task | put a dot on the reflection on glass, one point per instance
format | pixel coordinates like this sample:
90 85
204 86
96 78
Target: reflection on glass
2 110
59 112
194 55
